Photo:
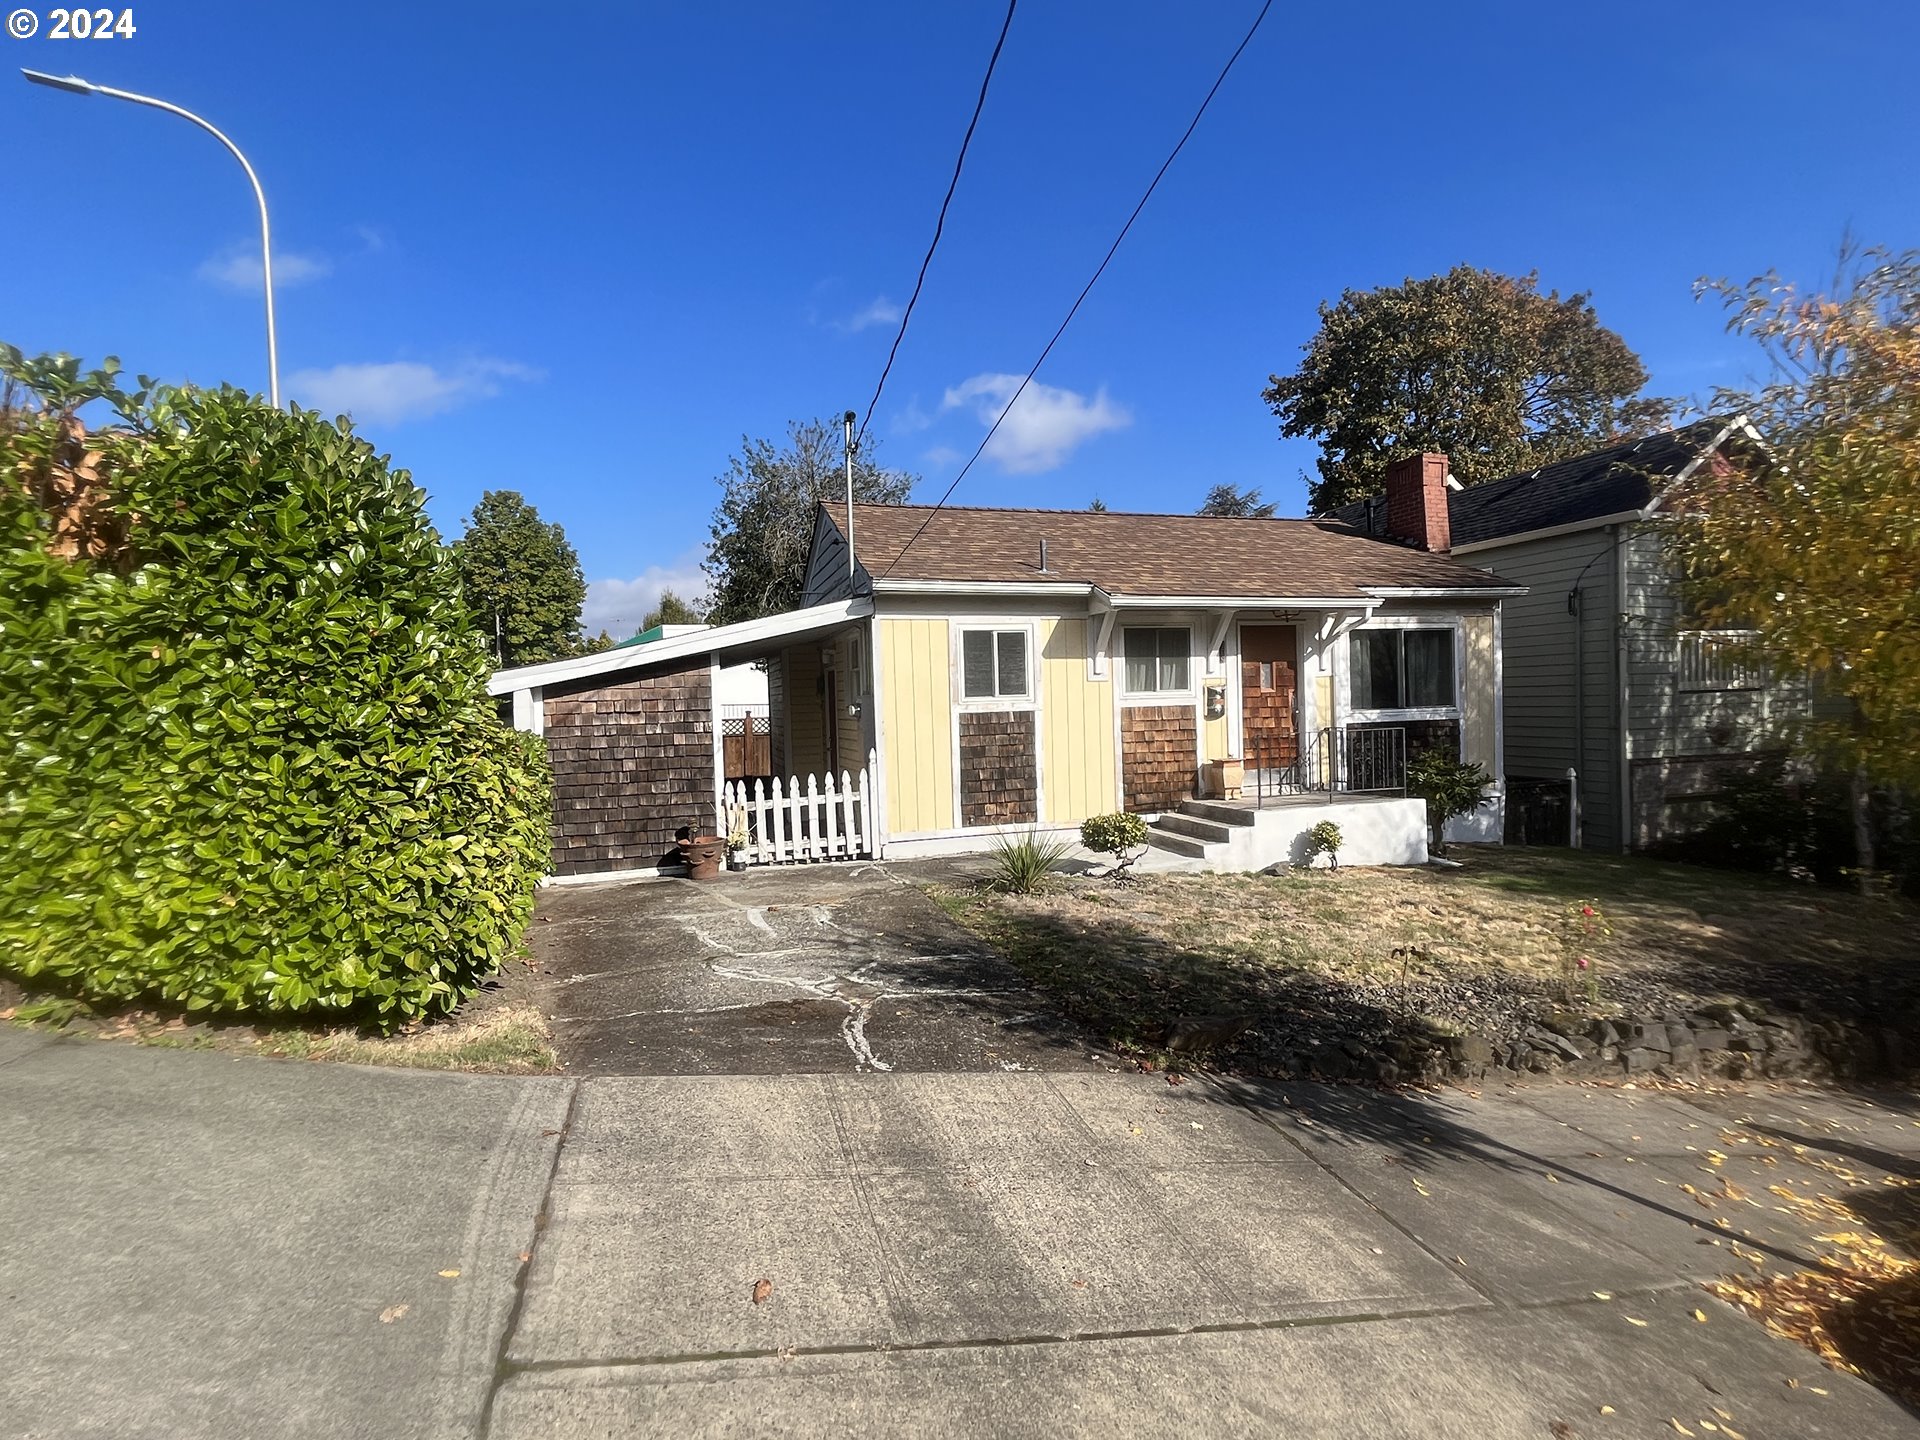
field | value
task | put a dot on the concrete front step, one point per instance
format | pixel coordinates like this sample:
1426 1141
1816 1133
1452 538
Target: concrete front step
1218 811
1194 827
1161 839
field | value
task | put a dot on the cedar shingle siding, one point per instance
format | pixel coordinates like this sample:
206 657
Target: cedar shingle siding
1158 744
997 775
632 763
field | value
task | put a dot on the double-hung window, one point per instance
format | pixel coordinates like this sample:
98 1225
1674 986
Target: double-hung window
1402 669
993 665
1159 659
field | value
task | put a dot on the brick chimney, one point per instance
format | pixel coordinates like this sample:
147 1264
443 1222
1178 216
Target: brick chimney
1417 502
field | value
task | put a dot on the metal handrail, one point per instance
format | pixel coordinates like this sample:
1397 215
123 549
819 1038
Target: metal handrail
1329 762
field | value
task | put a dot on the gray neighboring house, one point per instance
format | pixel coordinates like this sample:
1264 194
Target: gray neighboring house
1604 674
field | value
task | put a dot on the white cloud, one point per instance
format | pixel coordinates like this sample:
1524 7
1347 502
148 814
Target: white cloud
402 389
880 311
1046 424
239 269
941 456
618 606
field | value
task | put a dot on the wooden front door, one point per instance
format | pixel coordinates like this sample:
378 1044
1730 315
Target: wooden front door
1269 665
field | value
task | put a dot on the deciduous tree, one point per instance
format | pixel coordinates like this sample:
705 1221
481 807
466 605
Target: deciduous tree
1818 547
671 610
1478 364
523 581
763 525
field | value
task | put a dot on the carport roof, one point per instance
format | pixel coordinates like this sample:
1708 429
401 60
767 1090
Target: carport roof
731 644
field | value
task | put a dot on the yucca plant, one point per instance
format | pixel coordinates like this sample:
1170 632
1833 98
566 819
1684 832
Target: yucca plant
1021 865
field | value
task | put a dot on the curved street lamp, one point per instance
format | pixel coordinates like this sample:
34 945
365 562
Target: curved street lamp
75 85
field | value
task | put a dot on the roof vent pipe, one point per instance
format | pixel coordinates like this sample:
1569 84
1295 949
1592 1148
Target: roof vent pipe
1043 557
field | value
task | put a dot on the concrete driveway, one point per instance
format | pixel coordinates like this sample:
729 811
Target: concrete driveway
787 971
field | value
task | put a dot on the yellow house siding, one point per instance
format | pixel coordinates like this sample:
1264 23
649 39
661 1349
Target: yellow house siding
1076 717
800 665
1478 701
916 711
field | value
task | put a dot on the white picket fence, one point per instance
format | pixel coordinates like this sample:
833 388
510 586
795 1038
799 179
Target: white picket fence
788 824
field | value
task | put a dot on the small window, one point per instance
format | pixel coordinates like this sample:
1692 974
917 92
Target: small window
993 665
1402 669
856 665
1158 660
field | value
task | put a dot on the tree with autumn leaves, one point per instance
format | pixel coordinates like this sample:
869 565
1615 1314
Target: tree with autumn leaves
1817 548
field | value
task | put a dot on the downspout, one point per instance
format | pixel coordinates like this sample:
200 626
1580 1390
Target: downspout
1625 786
1577 609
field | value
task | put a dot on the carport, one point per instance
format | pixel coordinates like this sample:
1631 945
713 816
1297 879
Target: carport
636 741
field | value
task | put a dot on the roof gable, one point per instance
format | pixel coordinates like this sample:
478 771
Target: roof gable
1601 483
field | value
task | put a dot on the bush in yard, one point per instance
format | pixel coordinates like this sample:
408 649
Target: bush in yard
1324 839
1450 787
1021 866
248 765
1115 835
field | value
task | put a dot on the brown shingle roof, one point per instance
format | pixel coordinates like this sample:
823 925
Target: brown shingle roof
1129 554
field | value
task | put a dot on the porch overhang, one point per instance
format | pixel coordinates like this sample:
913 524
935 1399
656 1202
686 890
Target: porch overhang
728 644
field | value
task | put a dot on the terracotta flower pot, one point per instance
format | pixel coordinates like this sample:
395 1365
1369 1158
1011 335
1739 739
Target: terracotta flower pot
705 854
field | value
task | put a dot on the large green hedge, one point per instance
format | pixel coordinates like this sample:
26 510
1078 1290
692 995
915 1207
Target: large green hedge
248 764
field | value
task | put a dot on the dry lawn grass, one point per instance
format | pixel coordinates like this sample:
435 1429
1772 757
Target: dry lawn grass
508 1039
1311 957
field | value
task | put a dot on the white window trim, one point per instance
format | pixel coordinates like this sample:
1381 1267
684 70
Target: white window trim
957 629
1188 696
1352 714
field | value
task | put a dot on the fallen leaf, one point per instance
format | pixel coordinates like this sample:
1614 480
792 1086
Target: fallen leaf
761 1290
1678 1426
1701 1316
1792 1384
1816 1389
449 1274
1603 1294
526 1256
1562 1431
1641 1323
1421 1188
1553 1177
1606 1410
1723 1414
393 1313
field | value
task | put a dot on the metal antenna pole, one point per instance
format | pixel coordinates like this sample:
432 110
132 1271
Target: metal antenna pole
850 563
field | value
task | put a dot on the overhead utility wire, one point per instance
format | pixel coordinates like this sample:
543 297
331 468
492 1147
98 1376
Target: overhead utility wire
939 224
1008 407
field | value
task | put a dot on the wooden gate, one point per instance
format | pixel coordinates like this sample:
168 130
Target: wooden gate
746 741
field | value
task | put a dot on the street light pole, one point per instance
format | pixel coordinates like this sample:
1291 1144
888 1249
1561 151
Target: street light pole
75 85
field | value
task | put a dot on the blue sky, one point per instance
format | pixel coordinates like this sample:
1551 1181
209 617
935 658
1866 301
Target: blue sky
580 251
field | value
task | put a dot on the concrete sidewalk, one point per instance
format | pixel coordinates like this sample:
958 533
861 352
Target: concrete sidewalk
198 1245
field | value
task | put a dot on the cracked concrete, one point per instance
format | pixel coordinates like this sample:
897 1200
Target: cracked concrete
847 969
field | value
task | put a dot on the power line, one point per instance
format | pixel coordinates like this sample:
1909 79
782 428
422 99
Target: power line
1165 165
940 223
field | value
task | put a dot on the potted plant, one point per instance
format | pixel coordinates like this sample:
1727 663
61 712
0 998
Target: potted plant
736 837
703 855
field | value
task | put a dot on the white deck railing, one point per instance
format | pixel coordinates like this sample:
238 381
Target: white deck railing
796 821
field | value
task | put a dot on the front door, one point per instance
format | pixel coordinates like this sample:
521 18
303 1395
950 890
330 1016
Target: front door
1269 662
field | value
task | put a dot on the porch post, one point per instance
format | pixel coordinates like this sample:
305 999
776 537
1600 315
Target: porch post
876 671
719 746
